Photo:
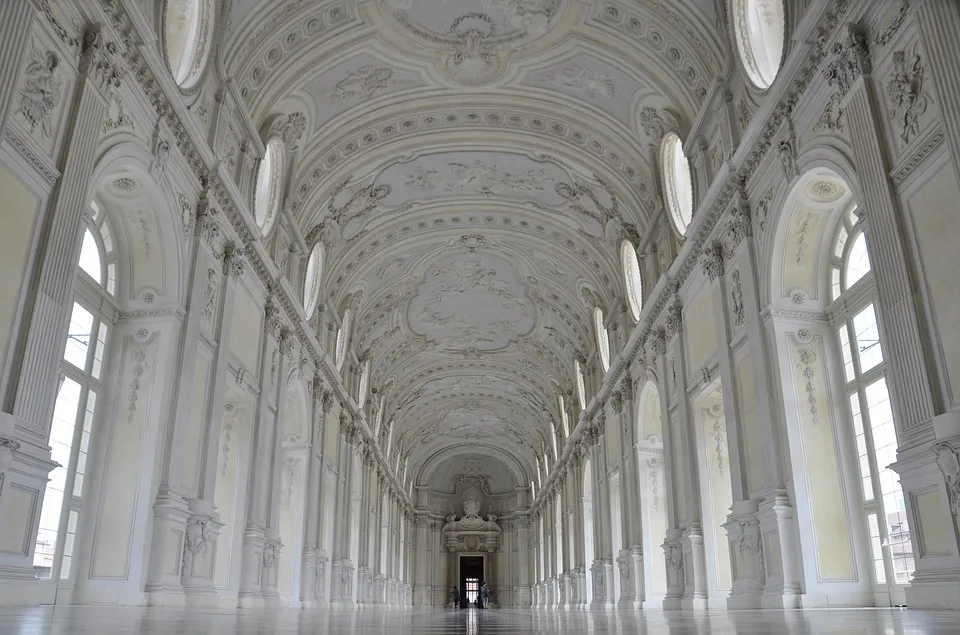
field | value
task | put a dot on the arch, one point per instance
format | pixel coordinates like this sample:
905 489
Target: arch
851 501
589 532
428 465
653 501
147 222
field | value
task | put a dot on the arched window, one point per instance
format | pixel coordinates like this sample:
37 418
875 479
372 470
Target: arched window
343 339
266 201
603 340
759 31
631 277
865 377
79 392
581 385
677 183
311 281
188 34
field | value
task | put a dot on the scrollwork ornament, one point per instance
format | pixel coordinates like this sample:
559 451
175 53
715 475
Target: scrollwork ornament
712 261
947 456
851 60
233 262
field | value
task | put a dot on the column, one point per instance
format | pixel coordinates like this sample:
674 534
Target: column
672 546
203 526
775 513
694 558
313 560
630 560
915 392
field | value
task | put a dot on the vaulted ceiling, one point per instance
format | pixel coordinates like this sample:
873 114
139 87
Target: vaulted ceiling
471 167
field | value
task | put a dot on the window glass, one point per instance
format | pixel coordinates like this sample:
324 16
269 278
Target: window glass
678 184
78 337
603 341
858 260
867 339
269 177
90 257
581 385
311 290
760 33
631 273
343 334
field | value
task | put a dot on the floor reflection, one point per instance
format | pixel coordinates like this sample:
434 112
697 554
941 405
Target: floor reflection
154 621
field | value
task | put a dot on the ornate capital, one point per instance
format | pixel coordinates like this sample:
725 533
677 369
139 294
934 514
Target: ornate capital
233 261
99 60
674 320
851 60
712 261
616 401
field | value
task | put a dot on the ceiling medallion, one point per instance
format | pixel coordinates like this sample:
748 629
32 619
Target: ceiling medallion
821 191
472 46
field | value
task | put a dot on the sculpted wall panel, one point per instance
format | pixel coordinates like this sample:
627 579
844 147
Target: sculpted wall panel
701 334
123 469
17 508
834 556
19 214
934 210
751 427
247 330
198 409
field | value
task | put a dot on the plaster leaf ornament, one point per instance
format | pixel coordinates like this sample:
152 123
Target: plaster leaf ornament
139 358
948 460
362 83
908 102
423 179
473 61
41 91
161 154
289 128
210 298
850 61
808 357
116 116
712 261
788 159
736 293
583 199
592 83
651 123
831 119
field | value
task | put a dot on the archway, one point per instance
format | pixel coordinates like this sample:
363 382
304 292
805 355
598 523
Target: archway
293 486
588 526
841 434
653 504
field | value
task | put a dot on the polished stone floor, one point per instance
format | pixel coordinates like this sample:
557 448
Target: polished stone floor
127 621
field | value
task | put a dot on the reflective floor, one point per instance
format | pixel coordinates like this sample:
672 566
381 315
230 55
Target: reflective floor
117 621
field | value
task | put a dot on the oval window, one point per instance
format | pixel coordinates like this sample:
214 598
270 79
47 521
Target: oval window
340 353
603 340
631 277
266 200
311 282
759 29
677 184
188 33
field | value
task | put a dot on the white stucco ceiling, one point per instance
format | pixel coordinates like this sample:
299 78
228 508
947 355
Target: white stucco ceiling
471 167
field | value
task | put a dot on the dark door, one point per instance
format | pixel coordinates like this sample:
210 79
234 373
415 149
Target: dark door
471 577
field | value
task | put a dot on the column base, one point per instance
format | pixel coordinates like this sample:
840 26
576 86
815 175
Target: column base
781 601
934 594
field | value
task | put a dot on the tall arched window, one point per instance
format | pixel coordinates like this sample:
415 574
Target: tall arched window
631 277
79 392
603 340
581 384
343 339
311 281
865 376
677 183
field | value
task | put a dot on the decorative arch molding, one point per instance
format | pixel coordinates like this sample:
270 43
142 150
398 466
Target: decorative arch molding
119 168
421 477
821 160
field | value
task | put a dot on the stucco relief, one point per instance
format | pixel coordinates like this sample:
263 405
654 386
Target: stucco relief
475 300
41 91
